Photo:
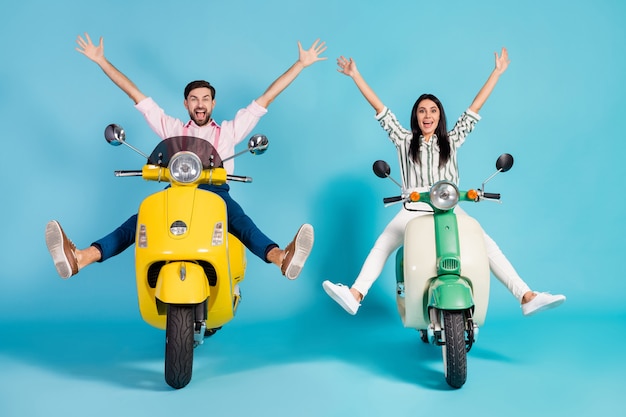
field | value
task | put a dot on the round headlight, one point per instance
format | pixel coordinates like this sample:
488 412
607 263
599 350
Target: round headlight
185 167
444 195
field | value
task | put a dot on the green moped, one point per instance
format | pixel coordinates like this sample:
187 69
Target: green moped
442 270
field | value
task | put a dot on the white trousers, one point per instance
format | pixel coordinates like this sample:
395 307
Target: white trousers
393 237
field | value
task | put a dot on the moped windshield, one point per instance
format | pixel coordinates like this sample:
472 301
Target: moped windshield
167 148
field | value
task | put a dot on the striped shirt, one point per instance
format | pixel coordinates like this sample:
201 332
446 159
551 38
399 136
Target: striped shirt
422 176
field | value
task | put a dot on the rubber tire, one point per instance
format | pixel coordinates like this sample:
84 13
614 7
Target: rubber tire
454 351
179 345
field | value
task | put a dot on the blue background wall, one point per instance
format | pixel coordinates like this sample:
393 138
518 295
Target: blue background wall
557 109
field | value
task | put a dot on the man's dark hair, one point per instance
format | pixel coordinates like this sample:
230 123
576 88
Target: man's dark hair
199 84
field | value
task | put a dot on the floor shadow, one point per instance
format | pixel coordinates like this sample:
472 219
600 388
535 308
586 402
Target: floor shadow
126 354
131 354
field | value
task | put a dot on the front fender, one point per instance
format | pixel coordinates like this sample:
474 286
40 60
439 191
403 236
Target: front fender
182 283
451 293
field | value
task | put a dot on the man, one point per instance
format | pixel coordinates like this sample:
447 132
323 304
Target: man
199 102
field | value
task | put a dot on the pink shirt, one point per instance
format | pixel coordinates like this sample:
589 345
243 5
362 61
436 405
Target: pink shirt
227 135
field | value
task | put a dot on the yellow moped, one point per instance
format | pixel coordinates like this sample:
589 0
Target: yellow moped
188 266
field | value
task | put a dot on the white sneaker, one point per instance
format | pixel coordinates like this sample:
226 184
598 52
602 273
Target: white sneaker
542 301
342 295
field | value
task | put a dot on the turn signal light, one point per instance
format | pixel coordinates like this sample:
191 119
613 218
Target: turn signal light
472 195
414 196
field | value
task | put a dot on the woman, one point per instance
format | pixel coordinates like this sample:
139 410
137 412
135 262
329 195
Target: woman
427 154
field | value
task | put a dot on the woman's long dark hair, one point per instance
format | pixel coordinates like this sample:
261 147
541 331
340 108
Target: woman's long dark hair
442 132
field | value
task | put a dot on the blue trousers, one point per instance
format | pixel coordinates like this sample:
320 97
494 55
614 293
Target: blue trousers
239 224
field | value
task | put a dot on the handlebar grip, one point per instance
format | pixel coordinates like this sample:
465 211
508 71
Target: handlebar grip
133 173
388 200
493 196
239 178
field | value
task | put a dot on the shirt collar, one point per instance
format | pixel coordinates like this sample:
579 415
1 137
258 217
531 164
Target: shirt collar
212 123
431 143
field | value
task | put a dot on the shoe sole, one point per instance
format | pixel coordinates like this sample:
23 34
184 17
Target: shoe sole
338 299
54 242
302 250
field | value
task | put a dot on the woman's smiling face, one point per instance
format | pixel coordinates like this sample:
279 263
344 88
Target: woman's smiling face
427 117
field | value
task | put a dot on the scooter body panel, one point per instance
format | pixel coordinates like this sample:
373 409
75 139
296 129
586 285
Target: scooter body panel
181 283
421 286
214 260
450 293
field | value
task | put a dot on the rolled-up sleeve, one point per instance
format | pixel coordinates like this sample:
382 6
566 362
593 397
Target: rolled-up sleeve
463 127
389 122
163 125
244 121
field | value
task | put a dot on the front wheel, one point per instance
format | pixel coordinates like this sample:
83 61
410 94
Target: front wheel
179 331
454 349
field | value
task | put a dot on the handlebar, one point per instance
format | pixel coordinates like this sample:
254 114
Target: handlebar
389 200
239 178
492 196
136 173
483 195
126 173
